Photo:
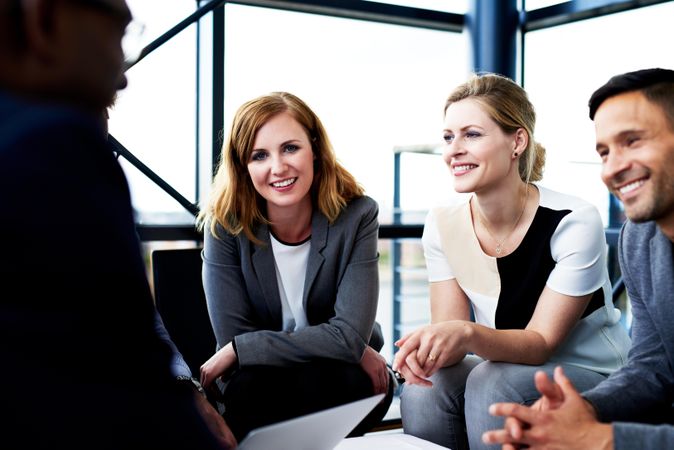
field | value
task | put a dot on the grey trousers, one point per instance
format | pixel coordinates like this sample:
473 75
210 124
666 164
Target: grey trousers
454 411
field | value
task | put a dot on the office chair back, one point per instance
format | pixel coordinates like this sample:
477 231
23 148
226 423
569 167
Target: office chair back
180 299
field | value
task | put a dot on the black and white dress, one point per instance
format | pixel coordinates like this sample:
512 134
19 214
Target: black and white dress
564 249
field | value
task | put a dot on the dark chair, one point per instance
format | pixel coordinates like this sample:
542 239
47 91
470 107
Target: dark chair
618 289
180 299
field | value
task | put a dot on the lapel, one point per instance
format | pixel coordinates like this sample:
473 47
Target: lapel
265 272
662 282
319 239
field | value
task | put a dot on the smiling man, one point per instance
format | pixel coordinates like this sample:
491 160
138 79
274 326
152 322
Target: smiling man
634 123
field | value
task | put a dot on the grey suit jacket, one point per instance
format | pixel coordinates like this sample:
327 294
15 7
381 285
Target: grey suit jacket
646 383
340 292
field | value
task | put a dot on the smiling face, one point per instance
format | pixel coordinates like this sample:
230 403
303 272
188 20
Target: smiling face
477 151
636 145
281 165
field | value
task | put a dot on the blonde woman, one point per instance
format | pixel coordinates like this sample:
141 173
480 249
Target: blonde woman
529 262
290 272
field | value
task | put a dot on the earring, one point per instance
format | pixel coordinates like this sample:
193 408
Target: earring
515 154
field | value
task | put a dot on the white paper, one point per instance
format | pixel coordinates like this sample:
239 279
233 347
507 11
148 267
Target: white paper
397 441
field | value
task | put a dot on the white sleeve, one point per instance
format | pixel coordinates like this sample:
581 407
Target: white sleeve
578 247
437 265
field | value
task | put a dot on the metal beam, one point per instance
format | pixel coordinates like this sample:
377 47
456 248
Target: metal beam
351 9
576 10
369 11
149 232
118 148
493 27
197 109
218 109
189 20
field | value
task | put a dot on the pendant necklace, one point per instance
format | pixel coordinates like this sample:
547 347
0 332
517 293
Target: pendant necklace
499 245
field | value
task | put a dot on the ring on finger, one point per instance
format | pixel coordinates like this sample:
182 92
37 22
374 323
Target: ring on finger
431 357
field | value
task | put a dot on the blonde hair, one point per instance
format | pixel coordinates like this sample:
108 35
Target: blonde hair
508 105
235 204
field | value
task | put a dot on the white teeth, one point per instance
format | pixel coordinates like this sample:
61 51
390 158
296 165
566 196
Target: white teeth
284 183
465 167
630 187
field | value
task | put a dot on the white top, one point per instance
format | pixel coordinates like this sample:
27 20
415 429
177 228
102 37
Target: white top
291 269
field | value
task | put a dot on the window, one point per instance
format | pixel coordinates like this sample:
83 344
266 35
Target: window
564 65
374 86
154 117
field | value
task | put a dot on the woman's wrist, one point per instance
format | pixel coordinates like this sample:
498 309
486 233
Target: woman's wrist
232 354
468 333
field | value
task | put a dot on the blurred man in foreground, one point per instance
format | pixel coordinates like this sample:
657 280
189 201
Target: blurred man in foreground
82 365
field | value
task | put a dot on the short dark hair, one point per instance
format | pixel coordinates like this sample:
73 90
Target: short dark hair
630 81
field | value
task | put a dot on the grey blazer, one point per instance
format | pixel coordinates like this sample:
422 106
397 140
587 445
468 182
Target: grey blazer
646 383
340 293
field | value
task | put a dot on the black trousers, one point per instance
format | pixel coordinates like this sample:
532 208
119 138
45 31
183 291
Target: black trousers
261 395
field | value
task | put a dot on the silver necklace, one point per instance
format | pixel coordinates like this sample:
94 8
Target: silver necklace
499 244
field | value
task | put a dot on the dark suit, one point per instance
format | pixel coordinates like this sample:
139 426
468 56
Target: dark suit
82 366
292 373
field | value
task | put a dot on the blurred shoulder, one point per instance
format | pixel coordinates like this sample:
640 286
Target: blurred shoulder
33 133
20 118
